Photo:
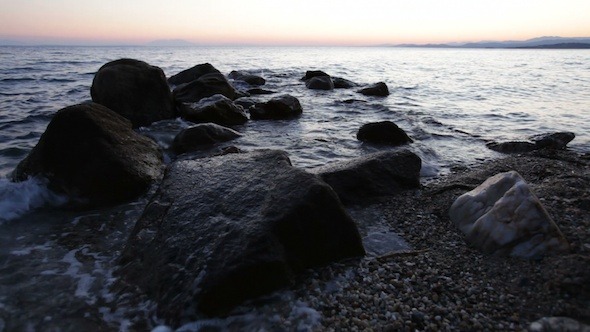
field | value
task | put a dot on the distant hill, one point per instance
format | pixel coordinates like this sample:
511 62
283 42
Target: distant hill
170 42
540 42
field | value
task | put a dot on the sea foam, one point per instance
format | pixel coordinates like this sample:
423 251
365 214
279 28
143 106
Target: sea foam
18 198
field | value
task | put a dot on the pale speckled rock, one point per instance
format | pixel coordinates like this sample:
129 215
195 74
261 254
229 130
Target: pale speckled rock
503 216
566 324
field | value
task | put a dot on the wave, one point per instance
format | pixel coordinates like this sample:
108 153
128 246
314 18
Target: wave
18 198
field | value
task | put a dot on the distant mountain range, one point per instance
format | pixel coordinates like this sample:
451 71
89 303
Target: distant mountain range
551 42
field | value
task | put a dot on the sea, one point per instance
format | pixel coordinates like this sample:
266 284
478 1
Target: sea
57 266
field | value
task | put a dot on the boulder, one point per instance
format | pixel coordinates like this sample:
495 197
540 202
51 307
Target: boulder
384 132
217 109
313 73
135 90
225 229
378 174
92 154
248 78
205 86
281 107
320 83
553 141
201 136
378 89
191 74
502 216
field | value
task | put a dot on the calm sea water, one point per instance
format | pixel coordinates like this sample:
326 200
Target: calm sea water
56 267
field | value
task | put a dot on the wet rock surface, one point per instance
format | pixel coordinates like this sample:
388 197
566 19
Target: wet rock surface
191 74
92 154
384 132
379 174
555 141
225 229
216 109
278 108
202 136
379 89
205 86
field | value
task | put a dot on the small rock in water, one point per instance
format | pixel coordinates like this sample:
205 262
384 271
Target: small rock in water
384 132
320 83
202 135
246 77
512 147
278 108
378 89
503 216
217 109
553 140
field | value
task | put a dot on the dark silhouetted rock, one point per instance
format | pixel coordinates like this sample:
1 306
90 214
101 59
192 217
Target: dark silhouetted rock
379 174
378 89
320 83
226 229
341 83
92 154
554 141
281 107
135 90
201 136
245 102
203 87
191 74
217 109
248 78
313 73
385 132
512 147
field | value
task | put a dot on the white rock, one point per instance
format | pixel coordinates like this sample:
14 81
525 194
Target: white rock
503 216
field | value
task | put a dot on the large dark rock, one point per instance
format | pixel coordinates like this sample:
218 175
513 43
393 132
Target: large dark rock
281 107
217 109
246 77
384 132
135 90
191 74
201 136
320 83
378 89
203 87
91 153
225 229
379 174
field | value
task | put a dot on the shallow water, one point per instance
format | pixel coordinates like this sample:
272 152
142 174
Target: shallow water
56 267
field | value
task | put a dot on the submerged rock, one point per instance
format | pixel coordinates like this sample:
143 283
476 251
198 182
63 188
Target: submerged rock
512 147
281 107
384 132
205 86
217 109
378 174
92 154
378 89
259 91
135 90
226 229
191 74
202 135
502 216
341 83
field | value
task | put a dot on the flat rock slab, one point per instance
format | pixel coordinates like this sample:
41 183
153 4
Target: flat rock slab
378 174
226 229
503 216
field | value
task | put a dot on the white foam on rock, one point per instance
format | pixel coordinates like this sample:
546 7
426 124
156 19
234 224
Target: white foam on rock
503 216
18 198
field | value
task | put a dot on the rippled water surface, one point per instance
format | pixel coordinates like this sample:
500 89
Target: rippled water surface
56 267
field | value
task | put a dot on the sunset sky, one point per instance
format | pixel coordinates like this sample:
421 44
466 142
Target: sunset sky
292 22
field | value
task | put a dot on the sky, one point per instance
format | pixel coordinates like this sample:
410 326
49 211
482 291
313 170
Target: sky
290 22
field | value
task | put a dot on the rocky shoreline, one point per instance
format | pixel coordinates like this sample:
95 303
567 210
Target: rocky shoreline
442 284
